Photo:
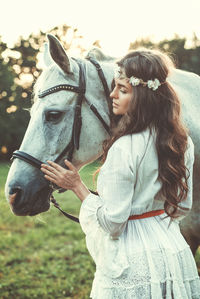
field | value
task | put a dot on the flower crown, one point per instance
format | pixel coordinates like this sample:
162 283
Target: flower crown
153 84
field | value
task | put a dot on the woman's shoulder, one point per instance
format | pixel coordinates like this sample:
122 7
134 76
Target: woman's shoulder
190 144
134 141
189 154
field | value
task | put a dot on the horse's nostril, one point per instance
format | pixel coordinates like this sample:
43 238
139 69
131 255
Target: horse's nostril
14 195
14 190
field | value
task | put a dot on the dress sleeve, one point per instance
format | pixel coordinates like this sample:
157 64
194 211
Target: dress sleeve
112 208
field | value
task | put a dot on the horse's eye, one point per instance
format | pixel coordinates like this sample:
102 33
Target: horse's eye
53 115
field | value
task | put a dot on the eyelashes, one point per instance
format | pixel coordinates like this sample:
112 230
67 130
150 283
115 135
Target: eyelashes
123 91
120 88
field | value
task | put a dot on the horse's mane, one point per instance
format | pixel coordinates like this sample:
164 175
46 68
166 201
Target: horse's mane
97 54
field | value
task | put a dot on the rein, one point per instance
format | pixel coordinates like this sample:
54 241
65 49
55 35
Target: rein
76 130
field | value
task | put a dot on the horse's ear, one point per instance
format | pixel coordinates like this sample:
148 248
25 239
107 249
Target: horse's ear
58 53
46 56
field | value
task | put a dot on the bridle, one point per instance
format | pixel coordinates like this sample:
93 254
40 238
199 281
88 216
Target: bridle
77 123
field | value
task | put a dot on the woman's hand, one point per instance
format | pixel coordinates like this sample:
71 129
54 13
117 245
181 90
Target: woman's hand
64 178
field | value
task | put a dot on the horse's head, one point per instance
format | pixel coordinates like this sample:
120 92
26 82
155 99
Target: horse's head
51 127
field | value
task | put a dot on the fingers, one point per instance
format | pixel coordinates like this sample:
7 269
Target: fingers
60 176
55 171
55 165
70 165
49 170
49 178
49 173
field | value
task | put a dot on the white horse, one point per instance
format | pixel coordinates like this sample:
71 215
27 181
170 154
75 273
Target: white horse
51 125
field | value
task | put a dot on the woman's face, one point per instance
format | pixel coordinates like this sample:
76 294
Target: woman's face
121 96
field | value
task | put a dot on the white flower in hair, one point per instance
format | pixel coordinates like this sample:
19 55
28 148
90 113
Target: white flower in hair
134 81
154 84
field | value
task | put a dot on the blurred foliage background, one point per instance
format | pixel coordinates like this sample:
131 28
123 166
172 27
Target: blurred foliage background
20 67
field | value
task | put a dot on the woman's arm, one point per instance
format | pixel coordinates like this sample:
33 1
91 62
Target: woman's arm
112 208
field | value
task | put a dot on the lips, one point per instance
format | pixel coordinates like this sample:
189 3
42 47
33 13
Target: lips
115 105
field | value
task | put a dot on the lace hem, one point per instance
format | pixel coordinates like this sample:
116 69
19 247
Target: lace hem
164 290
166 275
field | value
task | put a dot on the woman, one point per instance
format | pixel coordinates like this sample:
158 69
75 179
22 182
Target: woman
144 189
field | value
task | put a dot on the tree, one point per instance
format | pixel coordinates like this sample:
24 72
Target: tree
19 69
185 58
8 104
18 72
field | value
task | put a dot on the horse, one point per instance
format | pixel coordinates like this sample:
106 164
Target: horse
52 128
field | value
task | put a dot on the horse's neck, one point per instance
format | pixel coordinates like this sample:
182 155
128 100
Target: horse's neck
95 93
90 142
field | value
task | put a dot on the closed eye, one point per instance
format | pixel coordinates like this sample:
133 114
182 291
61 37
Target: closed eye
123 91
53 116
122 88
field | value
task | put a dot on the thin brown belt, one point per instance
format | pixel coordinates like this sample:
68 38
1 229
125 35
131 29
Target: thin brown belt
147 214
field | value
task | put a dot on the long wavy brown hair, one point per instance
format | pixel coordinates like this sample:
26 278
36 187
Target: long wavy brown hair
159 110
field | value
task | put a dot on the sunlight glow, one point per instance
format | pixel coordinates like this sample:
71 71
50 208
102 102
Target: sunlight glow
11 109
114 23
4 149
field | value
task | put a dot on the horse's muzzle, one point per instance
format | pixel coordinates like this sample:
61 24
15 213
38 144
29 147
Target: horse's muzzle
23 204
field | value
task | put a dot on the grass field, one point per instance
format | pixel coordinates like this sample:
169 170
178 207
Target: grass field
45 256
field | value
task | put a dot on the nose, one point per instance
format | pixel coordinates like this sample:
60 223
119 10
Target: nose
14 195
113 94
27 197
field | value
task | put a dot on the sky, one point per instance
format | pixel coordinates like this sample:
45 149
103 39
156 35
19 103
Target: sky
115 23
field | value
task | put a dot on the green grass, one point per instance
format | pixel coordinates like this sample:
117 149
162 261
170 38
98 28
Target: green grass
45 256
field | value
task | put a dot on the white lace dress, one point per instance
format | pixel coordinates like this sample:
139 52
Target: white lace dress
144 258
